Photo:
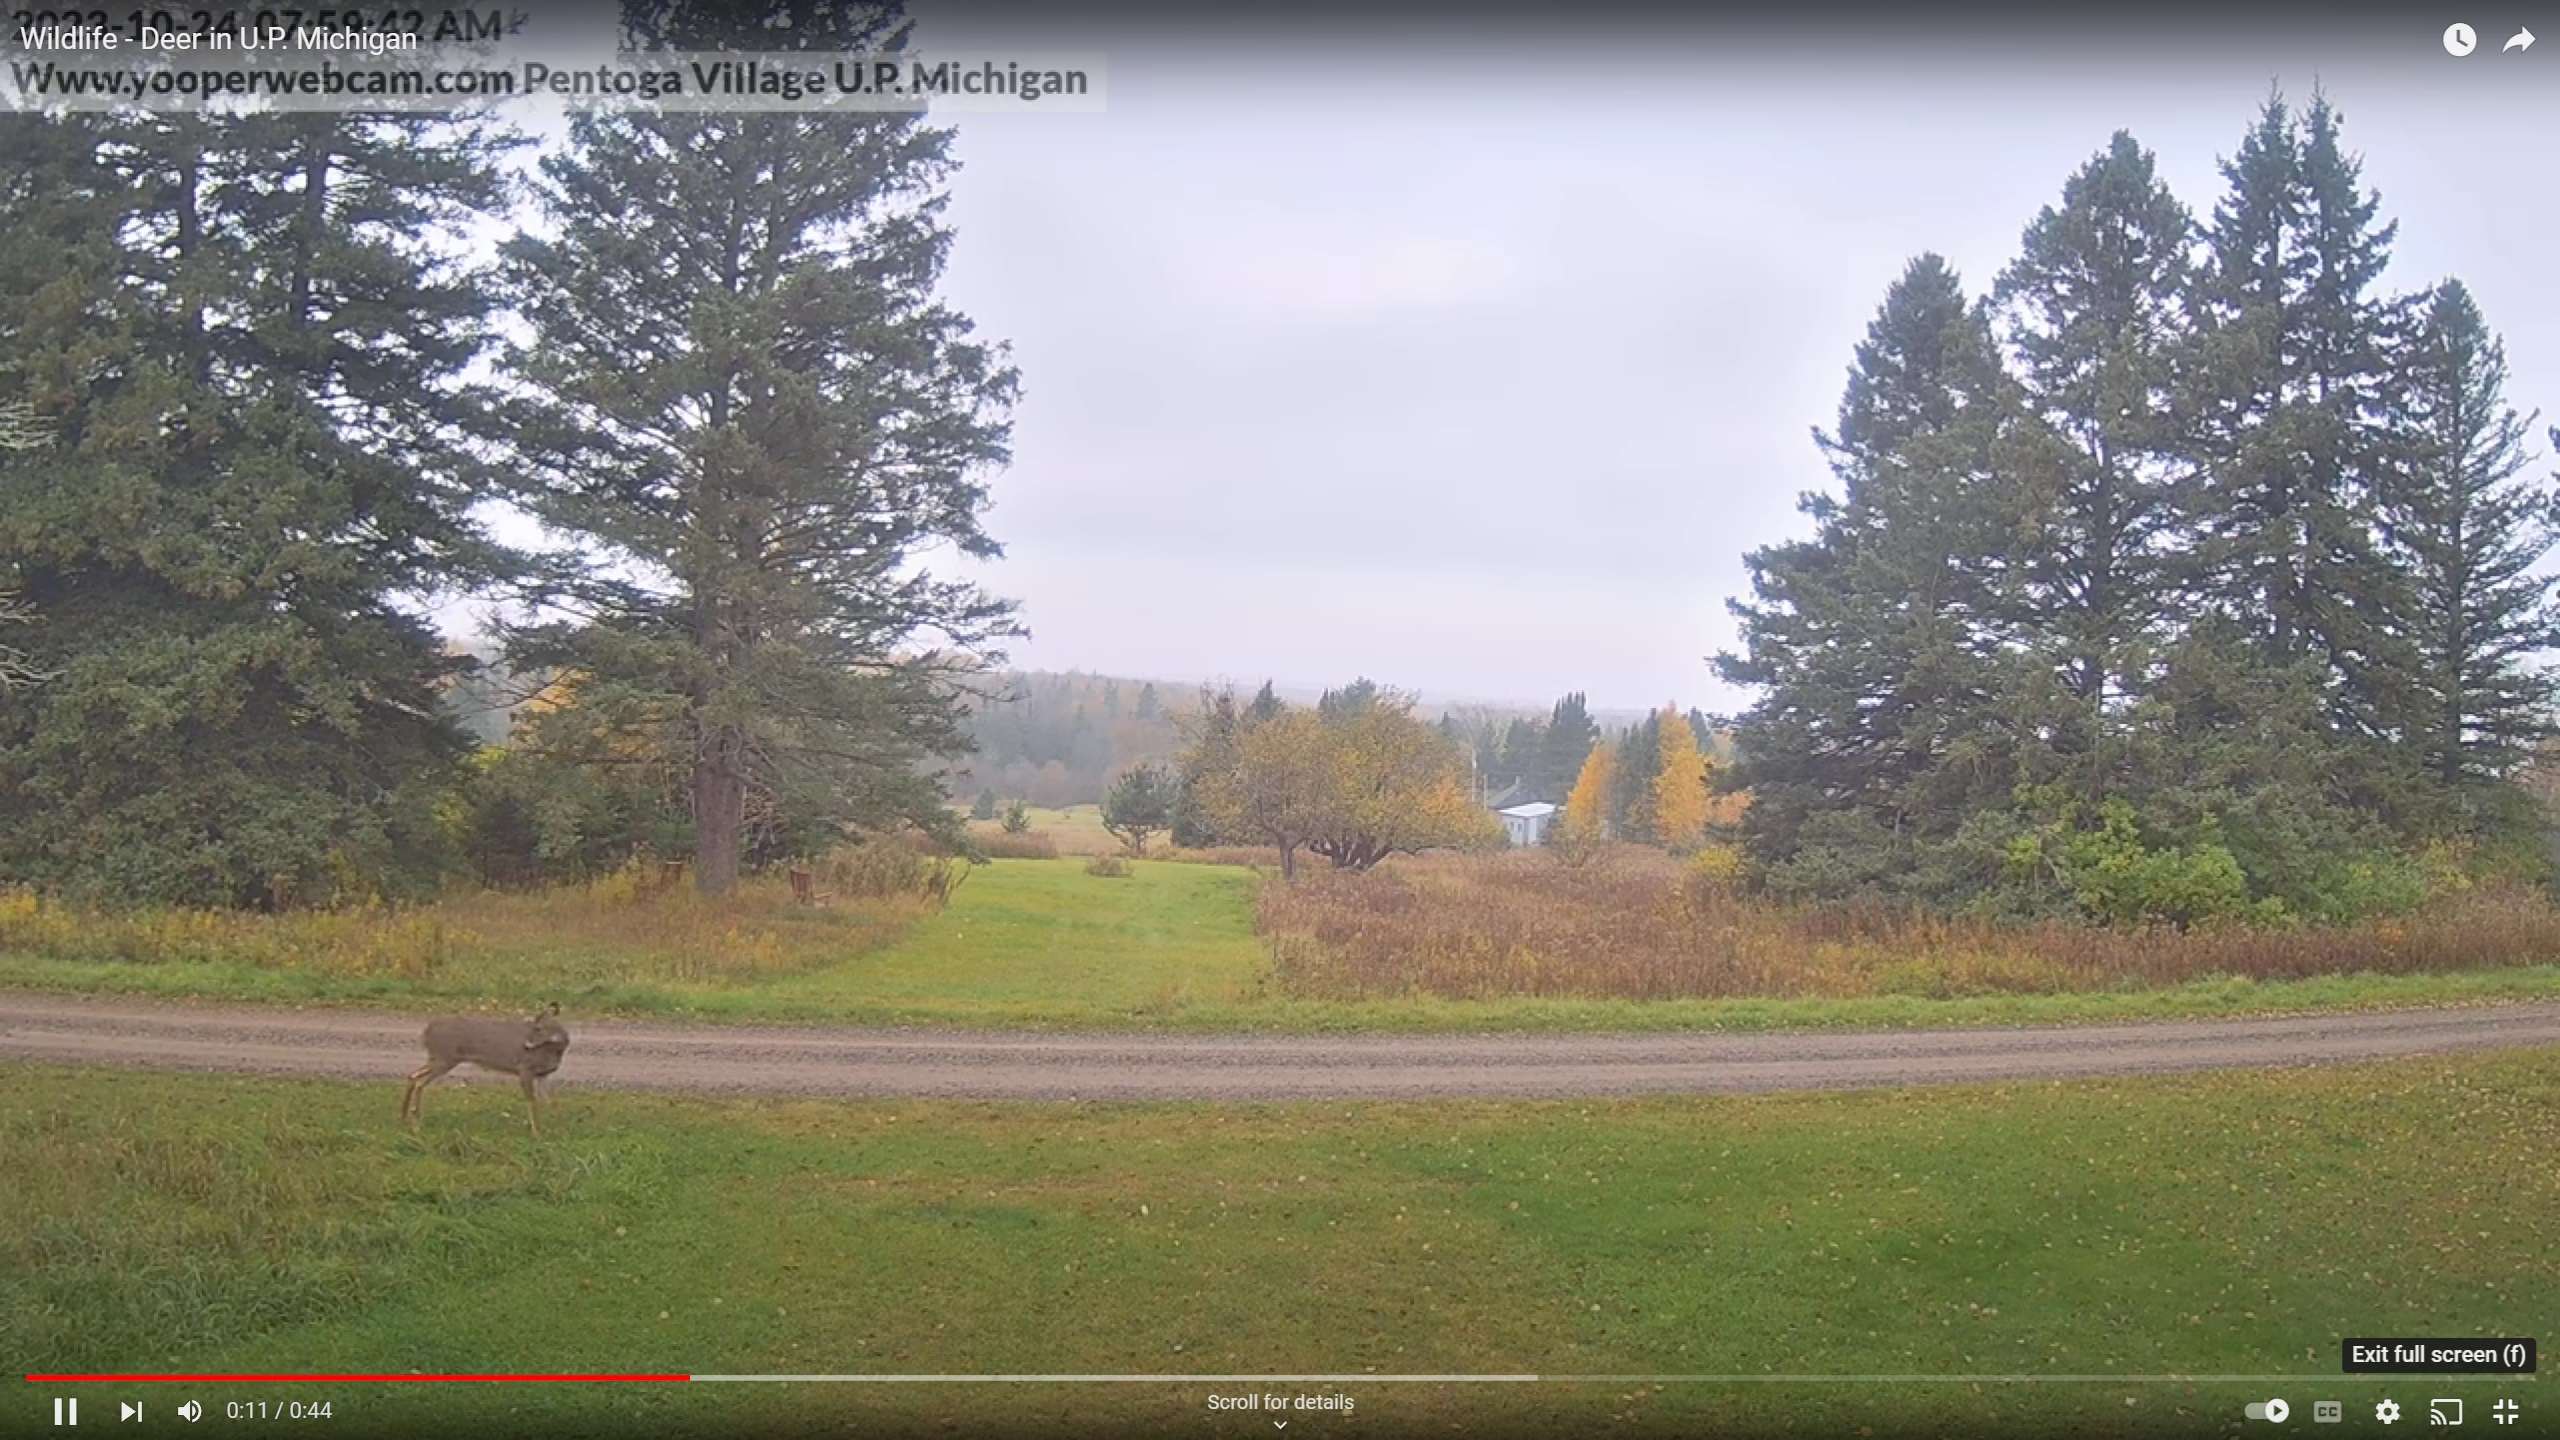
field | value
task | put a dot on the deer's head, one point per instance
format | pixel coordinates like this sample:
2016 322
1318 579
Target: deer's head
544 1031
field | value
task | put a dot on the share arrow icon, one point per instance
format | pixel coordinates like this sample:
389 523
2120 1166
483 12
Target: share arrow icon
2521 40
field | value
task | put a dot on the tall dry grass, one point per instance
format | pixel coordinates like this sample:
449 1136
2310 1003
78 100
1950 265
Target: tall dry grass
615 929
1040 843
1260 857
1636 924
997 844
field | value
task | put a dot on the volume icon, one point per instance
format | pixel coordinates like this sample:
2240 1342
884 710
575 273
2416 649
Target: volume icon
191 1412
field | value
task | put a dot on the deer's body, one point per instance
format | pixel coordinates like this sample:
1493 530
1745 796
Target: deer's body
527 1049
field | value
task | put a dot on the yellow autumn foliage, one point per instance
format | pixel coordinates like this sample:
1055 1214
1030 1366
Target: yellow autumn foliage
1680 799
1586 810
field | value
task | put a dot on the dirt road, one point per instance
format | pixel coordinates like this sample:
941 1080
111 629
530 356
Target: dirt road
740 1060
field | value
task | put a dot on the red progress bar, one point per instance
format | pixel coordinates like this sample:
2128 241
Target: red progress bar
386 1379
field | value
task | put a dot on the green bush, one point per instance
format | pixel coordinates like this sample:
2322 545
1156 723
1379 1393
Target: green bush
2113 876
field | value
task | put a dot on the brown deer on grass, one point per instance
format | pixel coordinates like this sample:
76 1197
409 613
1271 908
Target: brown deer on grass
527 1049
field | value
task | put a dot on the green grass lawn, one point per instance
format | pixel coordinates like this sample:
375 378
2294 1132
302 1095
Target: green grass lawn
2233 1224
1041 943
1042 939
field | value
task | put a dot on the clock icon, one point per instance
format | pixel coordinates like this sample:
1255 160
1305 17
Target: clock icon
2459 40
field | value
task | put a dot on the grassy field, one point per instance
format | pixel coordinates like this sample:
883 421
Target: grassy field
1034 943
1074 829
2226 1225
1022 940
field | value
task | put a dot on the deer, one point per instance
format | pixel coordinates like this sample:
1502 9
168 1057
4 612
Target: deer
527 1049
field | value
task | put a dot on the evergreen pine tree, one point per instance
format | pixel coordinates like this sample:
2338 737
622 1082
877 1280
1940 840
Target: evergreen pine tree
2473 532
1140 803
1348 701
259 454
2340 420
2291 435
1563 746
1878 642
2096 320
1631 787
1213 735
1266 704
1522 748
756 402
2255 513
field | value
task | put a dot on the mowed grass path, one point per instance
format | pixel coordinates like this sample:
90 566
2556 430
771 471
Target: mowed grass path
2229 1224
1043 939
1042 944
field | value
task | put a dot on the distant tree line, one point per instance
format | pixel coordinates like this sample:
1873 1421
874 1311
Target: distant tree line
1058 739
2189 572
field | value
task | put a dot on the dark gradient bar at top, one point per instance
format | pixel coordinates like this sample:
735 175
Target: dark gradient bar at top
1865 25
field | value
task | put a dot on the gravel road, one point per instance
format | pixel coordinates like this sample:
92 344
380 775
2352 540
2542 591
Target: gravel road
631 1055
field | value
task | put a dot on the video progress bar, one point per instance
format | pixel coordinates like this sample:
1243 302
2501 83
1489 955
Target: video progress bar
1340 1378
2321 1378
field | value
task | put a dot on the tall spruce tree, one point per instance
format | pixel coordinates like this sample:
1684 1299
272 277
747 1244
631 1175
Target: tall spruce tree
1631 782
1563 745
260 423
2254 512
2471 530
1212 734
1522 748
756 418
2343 426
1878 643
2287 421
2095 306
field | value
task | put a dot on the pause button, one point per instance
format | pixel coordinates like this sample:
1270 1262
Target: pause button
66 1411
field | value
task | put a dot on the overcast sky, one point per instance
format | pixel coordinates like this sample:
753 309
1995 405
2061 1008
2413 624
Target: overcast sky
1475 364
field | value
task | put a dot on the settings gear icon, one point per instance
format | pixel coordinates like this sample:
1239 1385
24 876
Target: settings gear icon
2388 1412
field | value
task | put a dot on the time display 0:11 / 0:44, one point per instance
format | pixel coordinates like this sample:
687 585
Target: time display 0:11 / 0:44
277 1409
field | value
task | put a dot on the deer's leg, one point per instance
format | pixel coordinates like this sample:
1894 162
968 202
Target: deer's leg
412 1102
532 1101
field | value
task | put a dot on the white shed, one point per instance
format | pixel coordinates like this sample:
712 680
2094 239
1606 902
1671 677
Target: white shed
1528 824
